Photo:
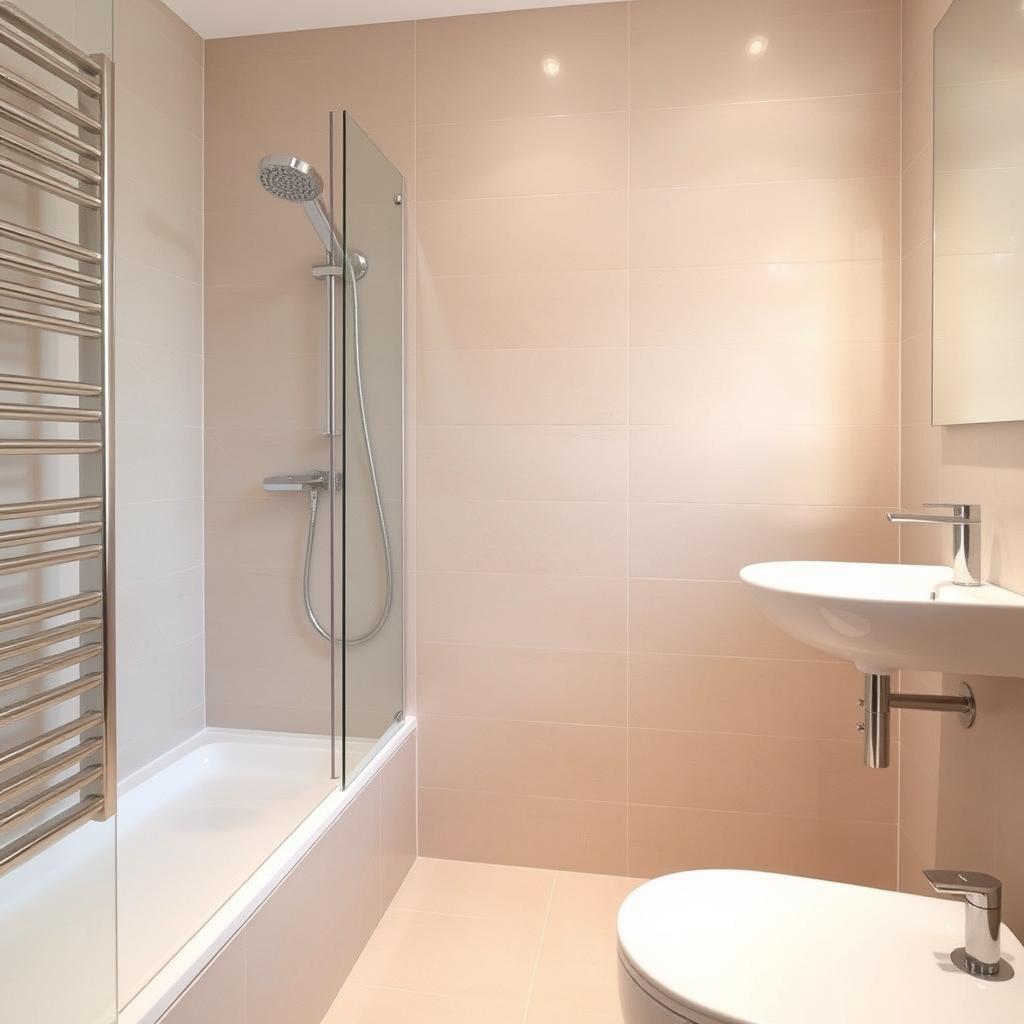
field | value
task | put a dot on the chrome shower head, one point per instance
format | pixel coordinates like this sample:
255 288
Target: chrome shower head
288 177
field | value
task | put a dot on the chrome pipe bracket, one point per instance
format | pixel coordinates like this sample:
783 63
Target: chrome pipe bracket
879 701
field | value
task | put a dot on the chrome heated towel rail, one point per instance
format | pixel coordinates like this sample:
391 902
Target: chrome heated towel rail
57 746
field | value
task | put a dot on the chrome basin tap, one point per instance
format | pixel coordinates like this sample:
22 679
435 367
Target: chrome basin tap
983 895
966 523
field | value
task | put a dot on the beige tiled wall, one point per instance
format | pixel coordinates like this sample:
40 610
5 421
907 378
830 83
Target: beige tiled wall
959 804
159 380
657 318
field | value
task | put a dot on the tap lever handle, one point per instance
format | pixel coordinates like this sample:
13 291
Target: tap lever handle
960 509
980 889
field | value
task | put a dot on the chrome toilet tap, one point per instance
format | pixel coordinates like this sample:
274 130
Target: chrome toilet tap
966 523
983 896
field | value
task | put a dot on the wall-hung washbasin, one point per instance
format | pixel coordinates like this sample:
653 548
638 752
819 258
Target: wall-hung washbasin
887 617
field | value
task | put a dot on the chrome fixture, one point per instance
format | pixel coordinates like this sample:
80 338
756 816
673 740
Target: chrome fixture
292 179
296 181
54 787
879 700
966 541
314 480
983 898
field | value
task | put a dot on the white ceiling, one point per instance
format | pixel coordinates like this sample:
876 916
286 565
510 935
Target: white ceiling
214 19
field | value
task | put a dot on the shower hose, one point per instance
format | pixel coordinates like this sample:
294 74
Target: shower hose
389 587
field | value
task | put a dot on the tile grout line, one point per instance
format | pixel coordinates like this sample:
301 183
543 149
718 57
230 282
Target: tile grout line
629 412
540 948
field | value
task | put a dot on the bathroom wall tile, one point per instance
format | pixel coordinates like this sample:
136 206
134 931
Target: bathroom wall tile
714 542
751 696
688 617
916 379
785 384
574 309
268 718
279 389
161 59
365 69
758 774
544 233
163 228
261 244
156 608
666 839
571 762
791 140
251 320
522 684
551 538
912 866
398 819
916 305
141 289
244 599
579 613
916 211
289 977
918 25
550 463
533 156
218 993
563 386
771 465
238 458
176 474
783 303
919 796
258 532
159 384
162 151
233 157
157 538
698 53
918 86
151 738
572 835
770 223
251 674
481 68
160 688
490 892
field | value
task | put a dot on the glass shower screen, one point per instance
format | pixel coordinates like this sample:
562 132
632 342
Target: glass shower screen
367 369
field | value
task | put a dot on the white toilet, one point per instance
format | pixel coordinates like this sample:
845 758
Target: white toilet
745 947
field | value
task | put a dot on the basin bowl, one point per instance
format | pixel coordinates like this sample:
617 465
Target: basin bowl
886 617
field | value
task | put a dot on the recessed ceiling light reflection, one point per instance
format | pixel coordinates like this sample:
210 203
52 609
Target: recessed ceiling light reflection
551 66
758 46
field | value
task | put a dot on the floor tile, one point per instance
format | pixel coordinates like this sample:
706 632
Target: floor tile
492 891
447 955
362 1004
577 970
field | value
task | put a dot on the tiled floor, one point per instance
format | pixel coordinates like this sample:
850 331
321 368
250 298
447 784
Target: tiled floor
482 944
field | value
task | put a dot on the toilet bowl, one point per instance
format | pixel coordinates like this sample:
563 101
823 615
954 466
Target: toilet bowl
747 947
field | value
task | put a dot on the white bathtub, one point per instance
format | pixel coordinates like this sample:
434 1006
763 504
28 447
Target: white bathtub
204 834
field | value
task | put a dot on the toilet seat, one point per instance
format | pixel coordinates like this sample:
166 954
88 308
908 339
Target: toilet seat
744 947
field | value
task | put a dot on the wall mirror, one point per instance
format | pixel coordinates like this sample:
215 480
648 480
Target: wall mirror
978 334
